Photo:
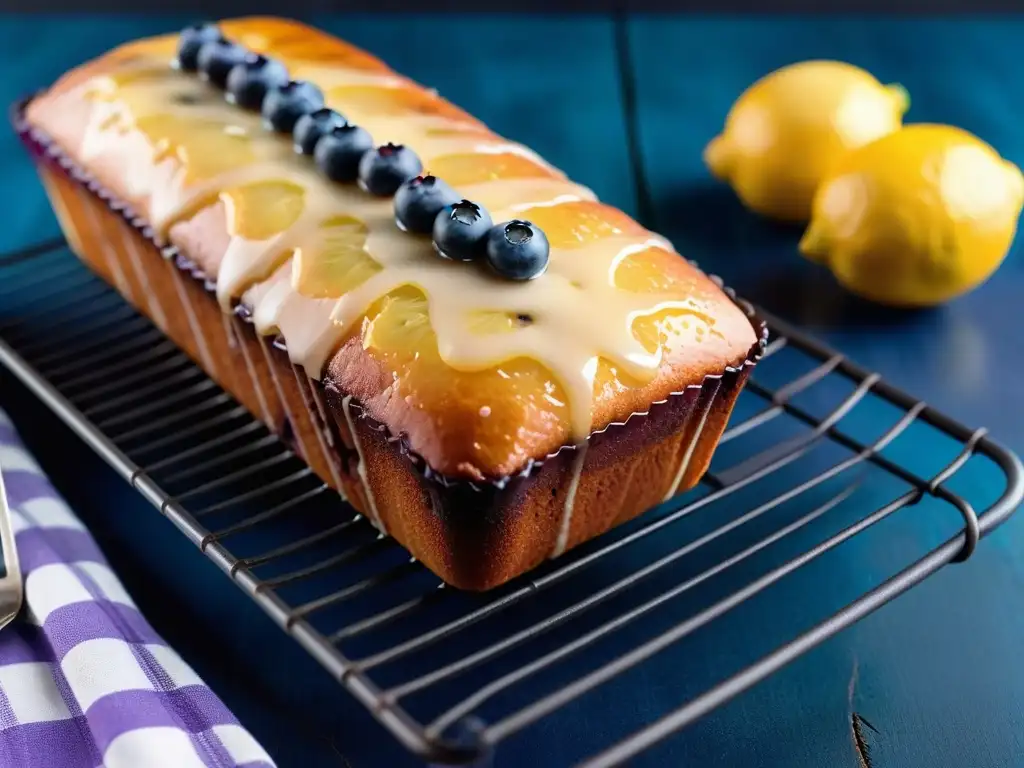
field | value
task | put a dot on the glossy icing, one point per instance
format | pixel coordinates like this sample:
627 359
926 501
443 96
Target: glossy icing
684 464
310 257
565 527
374 515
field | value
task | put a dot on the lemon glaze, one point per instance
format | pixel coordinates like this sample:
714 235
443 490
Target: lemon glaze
578 314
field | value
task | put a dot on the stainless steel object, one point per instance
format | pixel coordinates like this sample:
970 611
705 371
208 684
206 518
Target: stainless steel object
12 590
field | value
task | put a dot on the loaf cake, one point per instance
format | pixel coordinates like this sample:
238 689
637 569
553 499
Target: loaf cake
491 365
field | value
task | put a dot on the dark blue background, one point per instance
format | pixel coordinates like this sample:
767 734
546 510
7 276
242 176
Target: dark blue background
939 670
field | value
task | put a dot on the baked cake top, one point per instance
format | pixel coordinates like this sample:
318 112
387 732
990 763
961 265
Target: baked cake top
573 317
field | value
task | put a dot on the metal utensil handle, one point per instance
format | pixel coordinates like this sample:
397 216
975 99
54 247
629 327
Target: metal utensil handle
11 593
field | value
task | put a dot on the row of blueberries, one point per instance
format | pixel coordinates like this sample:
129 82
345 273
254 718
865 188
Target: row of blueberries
461 230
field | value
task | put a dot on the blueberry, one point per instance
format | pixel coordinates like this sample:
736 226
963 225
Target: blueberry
284 104
189 42
517 250
248 82
337 154
384 170
419 200
311 126
217 57
459 230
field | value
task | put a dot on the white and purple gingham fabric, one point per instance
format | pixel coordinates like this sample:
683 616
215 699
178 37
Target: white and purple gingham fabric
85 682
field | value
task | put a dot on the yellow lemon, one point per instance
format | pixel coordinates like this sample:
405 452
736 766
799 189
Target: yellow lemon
917 217
786 131
334 260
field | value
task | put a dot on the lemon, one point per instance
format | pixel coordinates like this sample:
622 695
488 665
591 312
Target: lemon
262 209
917 217
334 261
786 130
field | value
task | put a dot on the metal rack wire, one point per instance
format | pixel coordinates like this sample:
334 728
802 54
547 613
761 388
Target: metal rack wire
801 472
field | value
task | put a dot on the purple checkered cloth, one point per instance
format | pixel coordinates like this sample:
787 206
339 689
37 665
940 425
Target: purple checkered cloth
85 682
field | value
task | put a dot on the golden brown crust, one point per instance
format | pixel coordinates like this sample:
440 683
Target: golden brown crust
441 424
473 538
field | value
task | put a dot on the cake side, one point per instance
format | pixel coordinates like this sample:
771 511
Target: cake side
473 536
470 422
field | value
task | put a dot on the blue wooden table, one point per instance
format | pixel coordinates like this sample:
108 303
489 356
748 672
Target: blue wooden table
626 107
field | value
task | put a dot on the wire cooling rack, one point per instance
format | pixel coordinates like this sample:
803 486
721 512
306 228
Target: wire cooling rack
821 458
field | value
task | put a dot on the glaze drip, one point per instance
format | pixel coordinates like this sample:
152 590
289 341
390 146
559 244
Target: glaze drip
375 518
565 526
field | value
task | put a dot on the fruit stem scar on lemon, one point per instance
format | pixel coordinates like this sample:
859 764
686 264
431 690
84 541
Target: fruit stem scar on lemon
900 96
718 157
814 243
